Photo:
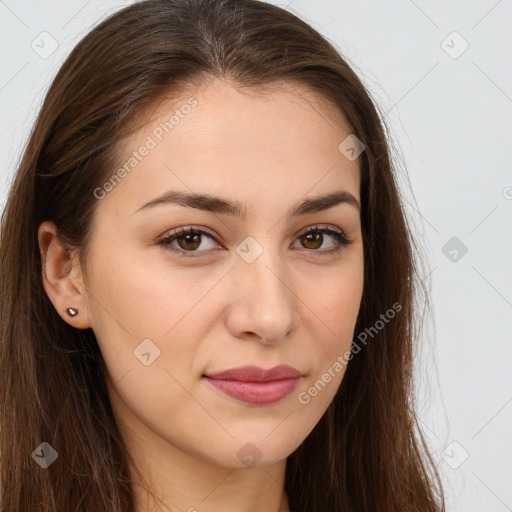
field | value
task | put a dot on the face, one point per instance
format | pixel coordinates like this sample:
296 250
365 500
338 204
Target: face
268 283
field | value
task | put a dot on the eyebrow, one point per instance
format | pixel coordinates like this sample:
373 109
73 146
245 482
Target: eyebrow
210 203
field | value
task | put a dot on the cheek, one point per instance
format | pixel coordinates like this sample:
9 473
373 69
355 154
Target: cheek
151 309
334 318
336 304
149 333
149 298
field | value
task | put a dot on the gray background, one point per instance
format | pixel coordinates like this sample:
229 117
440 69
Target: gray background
450 114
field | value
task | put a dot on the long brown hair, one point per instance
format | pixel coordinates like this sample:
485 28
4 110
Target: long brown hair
367 453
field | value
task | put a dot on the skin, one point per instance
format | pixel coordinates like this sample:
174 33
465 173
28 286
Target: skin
291 305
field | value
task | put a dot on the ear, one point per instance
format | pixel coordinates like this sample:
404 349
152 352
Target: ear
62 277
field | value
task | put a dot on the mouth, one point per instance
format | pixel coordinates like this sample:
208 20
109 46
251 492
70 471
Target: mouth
255 393
256 386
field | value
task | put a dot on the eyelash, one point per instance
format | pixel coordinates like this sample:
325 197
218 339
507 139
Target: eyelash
340 237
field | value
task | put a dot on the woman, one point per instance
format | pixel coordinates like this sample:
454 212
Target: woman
207 279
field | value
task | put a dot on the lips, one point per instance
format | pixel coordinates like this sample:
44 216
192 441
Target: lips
255 385
257 374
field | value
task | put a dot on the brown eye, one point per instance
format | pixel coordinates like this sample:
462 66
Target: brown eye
191 241
312 241
314 238
188 241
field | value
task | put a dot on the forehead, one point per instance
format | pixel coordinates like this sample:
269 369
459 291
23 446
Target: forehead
228 114
217 137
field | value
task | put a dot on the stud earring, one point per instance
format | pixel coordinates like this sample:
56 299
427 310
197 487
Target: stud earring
72 312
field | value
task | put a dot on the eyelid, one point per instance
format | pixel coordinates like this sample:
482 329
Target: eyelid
193 227
165 242
187 229
319 227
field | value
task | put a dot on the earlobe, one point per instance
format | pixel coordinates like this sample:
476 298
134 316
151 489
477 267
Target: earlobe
62 278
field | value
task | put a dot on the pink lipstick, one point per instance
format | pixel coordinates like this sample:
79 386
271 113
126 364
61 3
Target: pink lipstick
255 385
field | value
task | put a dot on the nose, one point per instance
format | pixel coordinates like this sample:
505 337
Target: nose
263 303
